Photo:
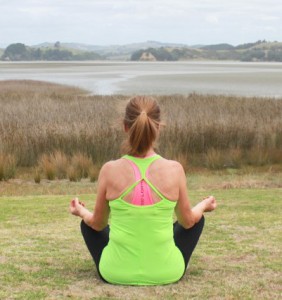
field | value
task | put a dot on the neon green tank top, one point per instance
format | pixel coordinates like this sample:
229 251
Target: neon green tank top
141 248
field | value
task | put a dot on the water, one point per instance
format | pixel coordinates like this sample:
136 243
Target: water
229 78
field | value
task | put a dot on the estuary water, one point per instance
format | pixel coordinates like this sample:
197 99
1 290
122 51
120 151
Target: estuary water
128 78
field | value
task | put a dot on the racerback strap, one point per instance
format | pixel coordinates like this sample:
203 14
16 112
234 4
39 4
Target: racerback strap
142 192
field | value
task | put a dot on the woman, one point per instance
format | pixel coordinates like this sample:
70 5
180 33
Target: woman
141 191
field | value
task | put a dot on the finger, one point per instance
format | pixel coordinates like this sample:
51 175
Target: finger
74 201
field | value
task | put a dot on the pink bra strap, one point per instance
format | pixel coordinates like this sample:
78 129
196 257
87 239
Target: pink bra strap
136 170
142 194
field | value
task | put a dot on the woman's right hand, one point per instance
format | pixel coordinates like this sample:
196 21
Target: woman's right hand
210 203
76 206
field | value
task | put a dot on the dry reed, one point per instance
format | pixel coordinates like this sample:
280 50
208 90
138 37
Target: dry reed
47 166
74 174
82 164
38 118
8 166
37 175
61 163
94 173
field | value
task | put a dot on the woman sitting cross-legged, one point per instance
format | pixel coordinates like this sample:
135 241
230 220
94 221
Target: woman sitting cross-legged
140 191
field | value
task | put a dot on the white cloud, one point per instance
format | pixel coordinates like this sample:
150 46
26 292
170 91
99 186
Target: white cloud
125 21
269 28
268 18
213 19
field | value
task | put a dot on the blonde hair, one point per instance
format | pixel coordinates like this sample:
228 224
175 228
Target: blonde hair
142 119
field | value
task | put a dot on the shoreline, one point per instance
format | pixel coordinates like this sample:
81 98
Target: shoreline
250 79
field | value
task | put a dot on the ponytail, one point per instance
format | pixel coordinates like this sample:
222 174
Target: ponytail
142 119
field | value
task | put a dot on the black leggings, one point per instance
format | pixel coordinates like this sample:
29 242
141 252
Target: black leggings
185 239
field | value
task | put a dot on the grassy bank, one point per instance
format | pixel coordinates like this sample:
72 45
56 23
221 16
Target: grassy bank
42 254
203 179
239 255
209 131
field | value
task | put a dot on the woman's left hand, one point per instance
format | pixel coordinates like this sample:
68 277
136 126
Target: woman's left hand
76 206
210 203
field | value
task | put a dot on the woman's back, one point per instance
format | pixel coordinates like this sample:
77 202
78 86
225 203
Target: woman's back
131 235
141 249
162 173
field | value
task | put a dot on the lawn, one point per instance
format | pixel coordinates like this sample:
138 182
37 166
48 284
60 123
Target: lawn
43 256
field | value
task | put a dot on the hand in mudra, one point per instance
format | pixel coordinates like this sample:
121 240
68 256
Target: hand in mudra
210 203
76 206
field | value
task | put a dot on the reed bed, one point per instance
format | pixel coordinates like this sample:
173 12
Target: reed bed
8 165
39 118
219 126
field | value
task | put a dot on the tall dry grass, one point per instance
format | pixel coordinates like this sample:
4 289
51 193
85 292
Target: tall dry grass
8 166
36 118
228 131
41 118
59 165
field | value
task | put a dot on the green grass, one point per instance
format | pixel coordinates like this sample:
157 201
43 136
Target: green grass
43 256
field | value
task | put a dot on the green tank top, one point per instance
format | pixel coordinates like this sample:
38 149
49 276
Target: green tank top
141 248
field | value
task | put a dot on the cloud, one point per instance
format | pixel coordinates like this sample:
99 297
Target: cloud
269 28
268 18
212 19
125 21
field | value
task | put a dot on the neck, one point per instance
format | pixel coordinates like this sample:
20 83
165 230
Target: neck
149 153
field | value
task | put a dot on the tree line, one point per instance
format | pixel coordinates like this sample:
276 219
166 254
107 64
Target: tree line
258 51
19 52
274 55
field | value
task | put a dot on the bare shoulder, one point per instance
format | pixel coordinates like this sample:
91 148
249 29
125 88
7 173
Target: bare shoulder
116 175
172 165
166 175
167 169
114 169
111 165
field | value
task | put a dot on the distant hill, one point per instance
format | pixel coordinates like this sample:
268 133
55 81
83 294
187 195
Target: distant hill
258 51
218 47
48 52
113 51
146 51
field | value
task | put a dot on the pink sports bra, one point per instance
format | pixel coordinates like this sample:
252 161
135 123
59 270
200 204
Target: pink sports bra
142 194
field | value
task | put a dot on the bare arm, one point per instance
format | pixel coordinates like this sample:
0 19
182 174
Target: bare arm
99 218
186 215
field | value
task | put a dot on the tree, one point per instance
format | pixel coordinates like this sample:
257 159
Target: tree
57 45
137 54
16 51
56 54
161 54
35 54
275 55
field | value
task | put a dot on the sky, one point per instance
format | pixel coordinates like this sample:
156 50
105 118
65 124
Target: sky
118 22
